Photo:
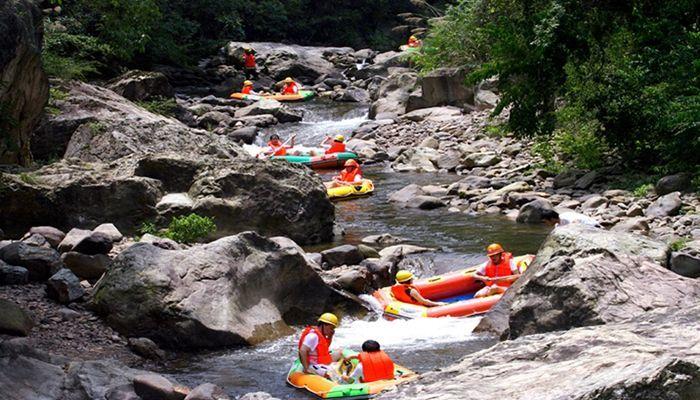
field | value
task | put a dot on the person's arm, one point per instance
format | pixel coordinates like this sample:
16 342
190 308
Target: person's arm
480 273
326 142
304 358
417 297
358 178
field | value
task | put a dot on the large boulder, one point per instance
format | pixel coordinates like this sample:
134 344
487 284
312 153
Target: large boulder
584 276
12 275
14 320
342 255
673 183
443 87
271 107
138 85
273 198
242 289
664 206
392 95
532 211
64 287
653 357
52 235
100 125
24 87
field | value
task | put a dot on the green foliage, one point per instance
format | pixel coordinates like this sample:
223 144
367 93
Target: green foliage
190 228
679 244
160 105
29 178
642 190
148 227
621 76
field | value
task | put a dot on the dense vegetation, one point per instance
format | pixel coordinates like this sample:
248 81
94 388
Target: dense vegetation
92 37
587 78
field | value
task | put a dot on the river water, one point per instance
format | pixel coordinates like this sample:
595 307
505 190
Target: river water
421 345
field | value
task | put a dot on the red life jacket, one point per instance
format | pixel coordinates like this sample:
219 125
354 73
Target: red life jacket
400 292
349 176
336 147
376 366
499 270
249 60
278 148
323 349
291 88
246 89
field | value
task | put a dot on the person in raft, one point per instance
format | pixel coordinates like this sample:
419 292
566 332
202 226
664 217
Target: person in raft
276 147
351 175
248 88
414 42
250 67
498 273
314 346
290 87
553 218
404 291
374 365
337 145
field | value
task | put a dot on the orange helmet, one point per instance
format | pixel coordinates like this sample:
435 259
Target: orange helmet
494 249
351 163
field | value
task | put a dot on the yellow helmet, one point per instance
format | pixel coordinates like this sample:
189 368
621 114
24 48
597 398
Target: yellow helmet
340 138
329 318
247 83
288 80
403 276
413 37
494 249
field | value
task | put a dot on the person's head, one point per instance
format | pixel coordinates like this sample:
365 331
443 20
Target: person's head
248 50
495 252
351 165
413 38
288 80
404 277
370 346
339 138
550 217
327 323
274 137
247 83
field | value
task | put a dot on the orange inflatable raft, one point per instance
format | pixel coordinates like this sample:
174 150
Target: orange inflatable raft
456 288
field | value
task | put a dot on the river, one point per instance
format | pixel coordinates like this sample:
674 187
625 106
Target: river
421 345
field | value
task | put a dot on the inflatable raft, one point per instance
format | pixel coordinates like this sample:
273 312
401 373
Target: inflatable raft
349 192
328 389
303 95
324 161
455 288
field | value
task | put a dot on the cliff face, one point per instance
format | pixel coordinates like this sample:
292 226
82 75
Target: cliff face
23 84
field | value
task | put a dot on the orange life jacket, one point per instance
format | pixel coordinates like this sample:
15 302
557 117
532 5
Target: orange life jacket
290 88
349 176
401 293
246 89
249 60
278 148
323 349
499 270
376 366
336 147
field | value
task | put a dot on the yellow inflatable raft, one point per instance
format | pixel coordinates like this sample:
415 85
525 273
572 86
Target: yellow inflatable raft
350 191
327 389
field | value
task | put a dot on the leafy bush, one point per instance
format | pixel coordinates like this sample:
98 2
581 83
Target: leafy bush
679 244
148 227
190 228
642 190
161 105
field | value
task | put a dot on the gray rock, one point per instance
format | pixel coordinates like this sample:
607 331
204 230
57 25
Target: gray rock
593 202
566 178
241 289
12 275
86 266
73 237
673 183
637 225
146 348
383 239
257 396
443 86
64 287
25 86
418 159
587 180
406 194
14 320
481 160
142 85
576 278
111 231
52 235
96 243
354 95
155 387
212 119
430 142
39 261
433 114
532 211
666 205
686 262
449 160
367 252
650 357
271 107
163 243
36 240
245 135
392 95
342 255
207 391
425 203
402 250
